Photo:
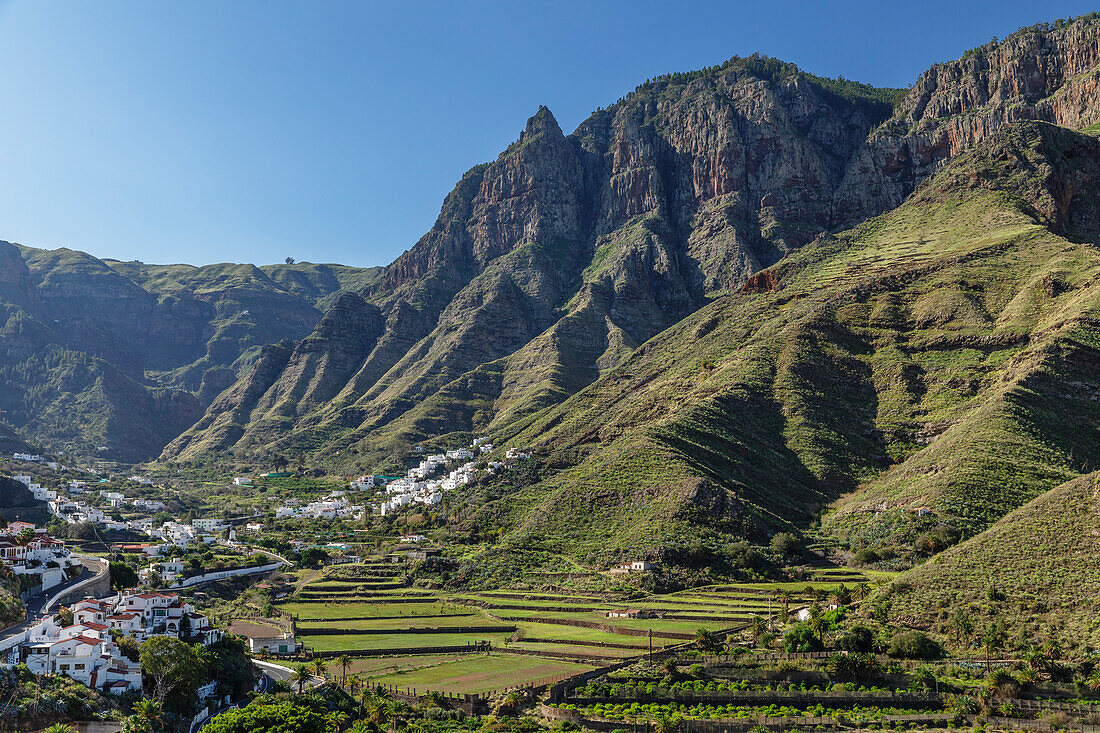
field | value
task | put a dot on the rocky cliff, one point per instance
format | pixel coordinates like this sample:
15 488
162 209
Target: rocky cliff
1048 72
556 260
552 264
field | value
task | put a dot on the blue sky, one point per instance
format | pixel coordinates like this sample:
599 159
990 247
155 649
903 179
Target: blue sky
330 131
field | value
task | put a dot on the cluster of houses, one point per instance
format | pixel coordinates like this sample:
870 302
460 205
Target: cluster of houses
30 551
332 506
86 651
74 510
418 486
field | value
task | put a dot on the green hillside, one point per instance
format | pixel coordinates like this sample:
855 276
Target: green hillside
941 355
1037 572
127 355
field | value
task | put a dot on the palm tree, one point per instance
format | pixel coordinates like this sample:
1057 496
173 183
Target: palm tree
785 599
1034 658
336 721
60 728
301 677
670 667
343 662
757 628
320 667
1093 680
665 724
993 638
151 711
707 640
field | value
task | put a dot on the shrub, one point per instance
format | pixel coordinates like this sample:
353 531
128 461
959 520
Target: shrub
801 638
914 645
858 639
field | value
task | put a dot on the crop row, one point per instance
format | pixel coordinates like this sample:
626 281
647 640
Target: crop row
626 711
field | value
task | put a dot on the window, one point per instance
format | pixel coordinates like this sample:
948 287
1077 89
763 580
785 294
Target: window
64 668
160 612
78 666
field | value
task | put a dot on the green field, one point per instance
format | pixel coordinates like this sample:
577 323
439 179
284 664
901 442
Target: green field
563 639
483 673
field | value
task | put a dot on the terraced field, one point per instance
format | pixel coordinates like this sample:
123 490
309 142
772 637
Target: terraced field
410 637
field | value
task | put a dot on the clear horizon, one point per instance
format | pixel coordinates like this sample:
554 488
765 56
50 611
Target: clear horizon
248 132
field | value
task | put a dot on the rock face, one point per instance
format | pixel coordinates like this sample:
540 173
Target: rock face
126 355
559 258
555 262
1046 73
550 265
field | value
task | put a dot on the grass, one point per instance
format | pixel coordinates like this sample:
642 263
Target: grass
1037 572
396 640
480 674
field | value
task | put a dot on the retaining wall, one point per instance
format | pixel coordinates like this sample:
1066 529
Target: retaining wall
223 574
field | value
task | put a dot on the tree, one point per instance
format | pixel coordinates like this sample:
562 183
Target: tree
289 260
993 638
282 717
174 669
962 625
122 576
757 627
314 557
343 662
60 728
301 677
320 666
914 645
784 543
801 638
708 641
146 717
785 598
857 640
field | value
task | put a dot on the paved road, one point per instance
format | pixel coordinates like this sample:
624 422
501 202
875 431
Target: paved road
269 674
35 603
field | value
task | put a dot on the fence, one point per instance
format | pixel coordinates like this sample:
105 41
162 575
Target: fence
578 656
609 628
1000 723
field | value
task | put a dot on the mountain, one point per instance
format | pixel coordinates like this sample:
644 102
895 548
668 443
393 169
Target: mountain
687 310
945 354
1035 571
557 260
126 355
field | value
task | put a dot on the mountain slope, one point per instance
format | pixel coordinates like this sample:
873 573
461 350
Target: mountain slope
563 255
1042 563
942 354
125 355
552 264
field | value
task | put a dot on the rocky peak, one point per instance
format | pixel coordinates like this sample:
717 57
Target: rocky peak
1049 72
540 123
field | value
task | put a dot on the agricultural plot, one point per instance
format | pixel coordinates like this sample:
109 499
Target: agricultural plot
396 632
648 692
480 674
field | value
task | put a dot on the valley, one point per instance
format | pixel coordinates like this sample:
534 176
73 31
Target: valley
760 401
